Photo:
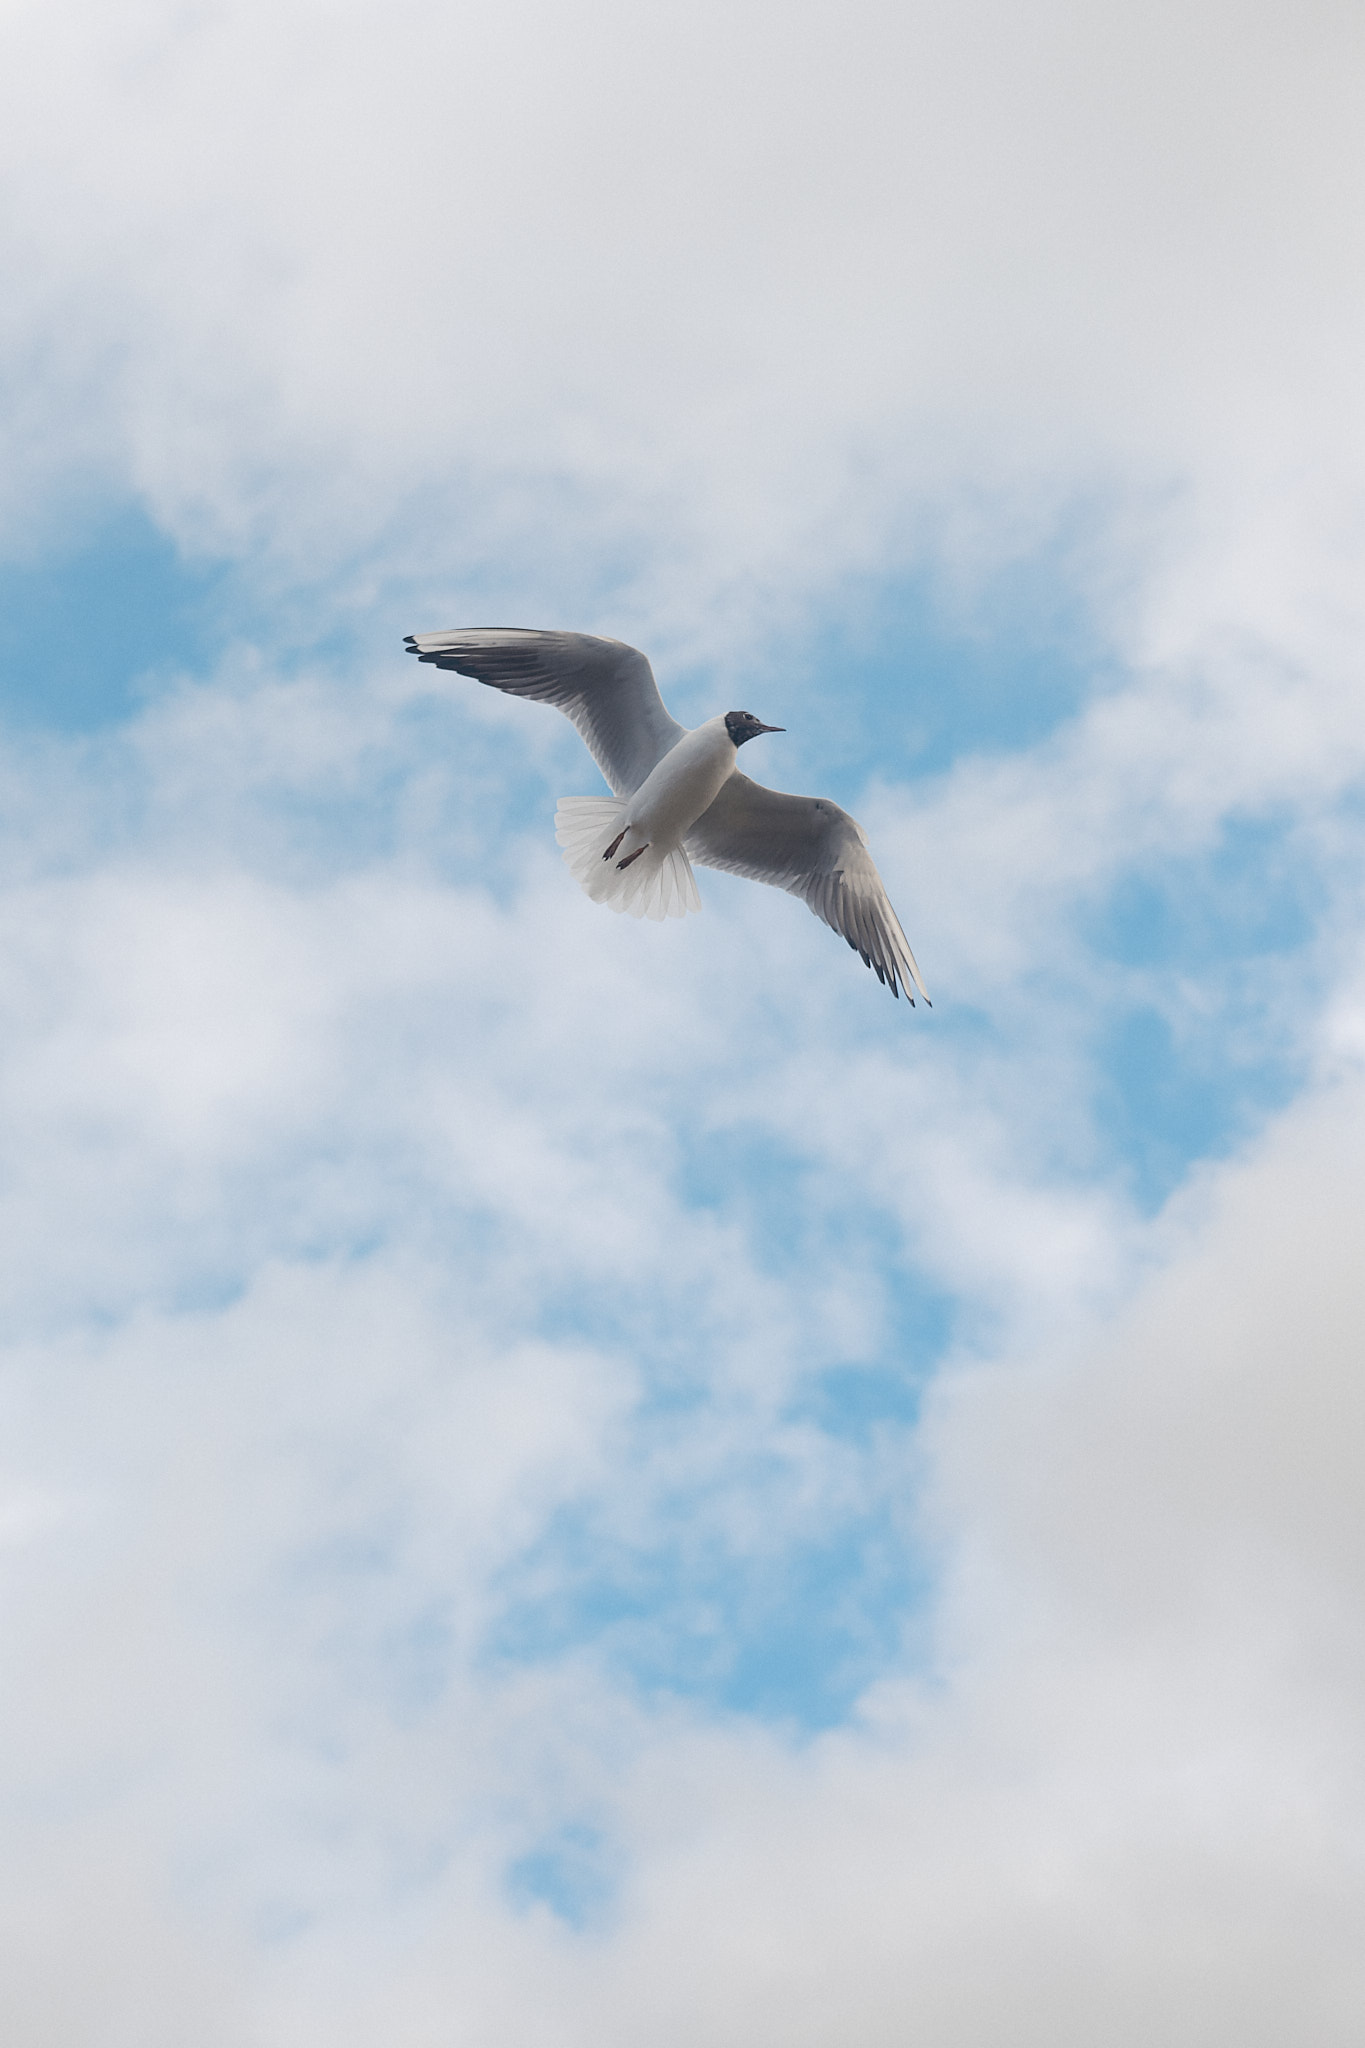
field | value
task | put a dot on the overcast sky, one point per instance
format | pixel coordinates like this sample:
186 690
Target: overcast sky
565 1483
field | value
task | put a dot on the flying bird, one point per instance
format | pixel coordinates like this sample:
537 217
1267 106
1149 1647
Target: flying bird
678 796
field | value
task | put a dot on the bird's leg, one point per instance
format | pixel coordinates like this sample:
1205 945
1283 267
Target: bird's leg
632 856
616 842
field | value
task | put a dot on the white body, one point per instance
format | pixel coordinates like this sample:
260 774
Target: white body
686 782
646 829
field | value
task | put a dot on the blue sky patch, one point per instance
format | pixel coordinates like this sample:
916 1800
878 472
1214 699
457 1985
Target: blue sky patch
571 1872
1251 895
1193 1065
88 632
792 1632
917 683
1164 1100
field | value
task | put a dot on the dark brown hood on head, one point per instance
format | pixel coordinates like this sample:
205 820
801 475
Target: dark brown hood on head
742 725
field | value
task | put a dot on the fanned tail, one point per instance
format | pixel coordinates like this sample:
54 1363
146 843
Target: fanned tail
659 884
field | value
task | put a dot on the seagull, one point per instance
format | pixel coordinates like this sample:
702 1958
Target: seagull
678 796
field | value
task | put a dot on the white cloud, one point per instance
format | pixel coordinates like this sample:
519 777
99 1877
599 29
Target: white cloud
1132 1801
734 300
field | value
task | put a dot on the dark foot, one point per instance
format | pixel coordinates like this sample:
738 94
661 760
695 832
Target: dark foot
615 843
632 856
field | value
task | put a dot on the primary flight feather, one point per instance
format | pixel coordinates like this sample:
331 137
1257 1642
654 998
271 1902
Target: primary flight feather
678 796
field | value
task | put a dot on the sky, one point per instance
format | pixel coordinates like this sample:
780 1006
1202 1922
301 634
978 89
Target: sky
569 1482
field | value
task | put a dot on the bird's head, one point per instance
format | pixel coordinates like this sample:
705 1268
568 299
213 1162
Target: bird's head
742 725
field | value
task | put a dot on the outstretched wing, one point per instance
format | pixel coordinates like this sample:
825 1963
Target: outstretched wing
605 687
809 846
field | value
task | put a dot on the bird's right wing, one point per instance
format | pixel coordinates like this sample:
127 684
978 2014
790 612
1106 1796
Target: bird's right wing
809 846
605 687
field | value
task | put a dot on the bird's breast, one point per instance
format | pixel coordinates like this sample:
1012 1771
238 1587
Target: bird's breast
684 784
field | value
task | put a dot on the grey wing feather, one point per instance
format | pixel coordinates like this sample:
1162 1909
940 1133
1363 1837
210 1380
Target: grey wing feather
809 846
605 687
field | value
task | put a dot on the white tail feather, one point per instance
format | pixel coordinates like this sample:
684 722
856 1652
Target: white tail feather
659 884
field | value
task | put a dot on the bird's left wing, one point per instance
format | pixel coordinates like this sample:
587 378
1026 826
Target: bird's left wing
605 687
808 845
